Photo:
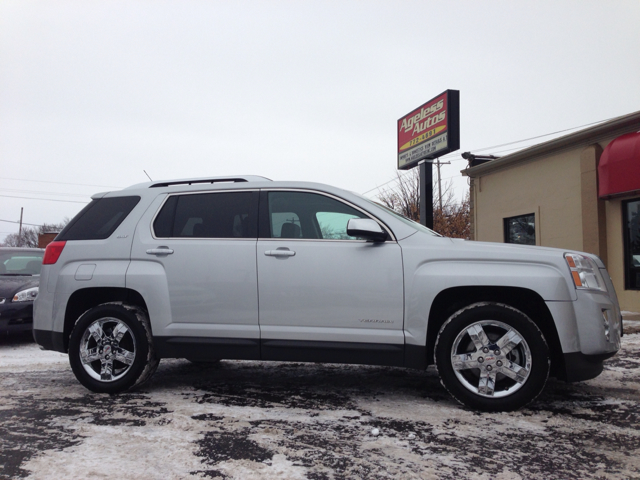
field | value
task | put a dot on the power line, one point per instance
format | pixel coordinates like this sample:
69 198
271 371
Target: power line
45 199
24 223
498 146
13 190
59 183
527 139
545 135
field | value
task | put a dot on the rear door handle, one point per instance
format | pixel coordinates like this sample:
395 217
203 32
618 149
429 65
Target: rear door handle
160 251
280 253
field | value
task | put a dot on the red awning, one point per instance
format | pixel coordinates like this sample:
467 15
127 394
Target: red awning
619 167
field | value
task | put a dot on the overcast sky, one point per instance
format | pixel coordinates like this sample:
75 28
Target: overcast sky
94 92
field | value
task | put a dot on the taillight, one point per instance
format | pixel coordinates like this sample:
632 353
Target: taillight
52 253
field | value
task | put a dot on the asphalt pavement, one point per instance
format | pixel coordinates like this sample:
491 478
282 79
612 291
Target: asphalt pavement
260 420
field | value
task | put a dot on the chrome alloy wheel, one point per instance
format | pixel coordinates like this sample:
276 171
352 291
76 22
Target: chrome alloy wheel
107 349
491 359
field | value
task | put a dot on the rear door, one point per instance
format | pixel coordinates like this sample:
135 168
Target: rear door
199 249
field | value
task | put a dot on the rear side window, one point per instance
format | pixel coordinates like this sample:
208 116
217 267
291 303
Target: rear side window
99 219
208 215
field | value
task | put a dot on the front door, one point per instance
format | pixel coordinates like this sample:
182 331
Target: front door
322 291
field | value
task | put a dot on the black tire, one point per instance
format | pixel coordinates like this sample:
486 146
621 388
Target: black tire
117 345
477 376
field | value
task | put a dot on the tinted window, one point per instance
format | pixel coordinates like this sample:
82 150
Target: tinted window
631 223
208 215
278 219
309 215
99 219
520 229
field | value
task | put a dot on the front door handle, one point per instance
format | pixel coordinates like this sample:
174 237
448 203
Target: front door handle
160 251
280 252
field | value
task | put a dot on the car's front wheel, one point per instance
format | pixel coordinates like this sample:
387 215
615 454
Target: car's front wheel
111 348
492 357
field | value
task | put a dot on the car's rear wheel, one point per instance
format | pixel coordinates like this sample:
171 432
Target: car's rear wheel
492 357
111 348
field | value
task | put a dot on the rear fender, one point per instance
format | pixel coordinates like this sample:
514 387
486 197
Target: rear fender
150 280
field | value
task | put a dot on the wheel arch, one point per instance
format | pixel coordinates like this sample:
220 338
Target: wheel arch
87 298
449 301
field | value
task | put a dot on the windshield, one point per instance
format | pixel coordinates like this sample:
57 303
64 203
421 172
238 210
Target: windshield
20 263
403 219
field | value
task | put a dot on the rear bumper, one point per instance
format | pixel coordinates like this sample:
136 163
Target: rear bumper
49 340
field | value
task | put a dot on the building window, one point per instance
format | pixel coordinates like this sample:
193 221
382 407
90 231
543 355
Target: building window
631 221
521 229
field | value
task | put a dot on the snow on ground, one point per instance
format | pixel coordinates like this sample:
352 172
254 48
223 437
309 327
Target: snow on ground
632 326
259 420
28 357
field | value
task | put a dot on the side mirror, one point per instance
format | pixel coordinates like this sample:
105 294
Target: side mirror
367 228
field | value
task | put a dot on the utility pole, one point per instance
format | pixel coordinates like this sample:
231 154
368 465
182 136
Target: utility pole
438 163
20 231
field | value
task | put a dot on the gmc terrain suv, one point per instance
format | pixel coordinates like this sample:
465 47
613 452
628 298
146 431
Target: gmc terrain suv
247 268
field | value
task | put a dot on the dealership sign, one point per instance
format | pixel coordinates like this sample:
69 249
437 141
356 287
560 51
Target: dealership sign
429 131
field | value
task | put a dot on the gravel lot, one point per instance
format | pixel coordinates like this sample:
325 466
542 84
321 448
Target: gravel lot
255 420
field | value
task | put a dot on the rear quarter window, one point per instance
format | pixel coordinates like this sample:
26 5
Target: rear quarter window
99 219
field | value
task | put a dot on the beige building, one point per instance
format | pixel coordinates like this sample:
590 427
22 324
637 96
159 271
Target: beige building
579 192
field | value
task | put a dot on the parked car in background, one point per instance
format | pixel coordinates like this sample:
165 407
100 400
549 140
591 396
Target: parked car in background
247 268
19 282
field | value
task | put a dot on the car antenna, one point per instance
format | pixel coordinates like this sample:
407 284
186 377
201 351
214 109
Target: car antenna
145 172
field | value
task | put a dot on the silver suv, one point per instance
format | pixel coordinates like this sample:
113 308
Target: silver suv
247 268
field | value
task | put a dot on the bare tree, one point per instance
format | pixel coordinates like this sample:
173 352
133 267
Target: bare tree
29 237
404 196
453 220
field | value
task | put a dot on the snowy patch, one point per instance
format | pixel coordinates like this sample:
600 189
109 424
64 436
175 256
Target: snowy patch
260 420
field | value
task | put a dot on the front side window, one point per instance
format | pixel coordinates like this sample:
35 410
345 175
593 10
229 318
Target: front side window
285 225
208 215
631 212
309 216
521 229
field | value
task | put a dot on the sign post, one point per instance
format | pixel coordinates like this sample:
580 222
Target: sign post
426 133
426 194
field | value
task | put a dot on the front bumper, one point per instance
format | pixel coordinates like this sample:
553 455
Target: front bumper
589 330
16 317
579 367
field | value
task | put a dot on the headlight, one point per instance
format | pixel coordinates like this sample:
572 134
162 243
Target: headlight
586 274
28 295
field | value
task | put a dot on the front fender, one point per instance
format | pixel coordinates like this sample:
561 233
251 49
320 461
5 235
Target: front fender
428 279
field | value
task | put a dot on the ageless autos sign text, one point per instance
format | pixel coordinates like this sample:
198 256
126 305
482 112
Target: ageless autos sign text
429 131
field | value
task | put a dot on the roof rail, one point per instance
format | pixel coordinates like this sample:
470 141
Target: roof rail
212 180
